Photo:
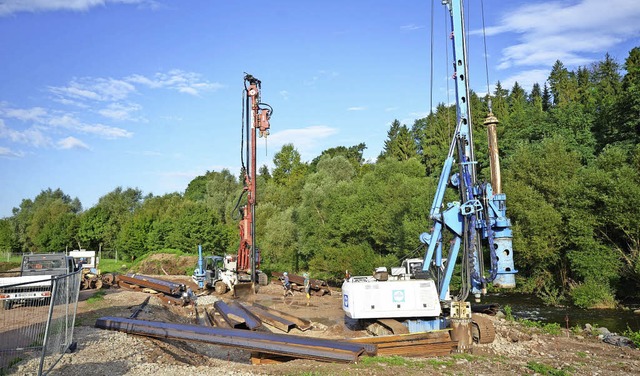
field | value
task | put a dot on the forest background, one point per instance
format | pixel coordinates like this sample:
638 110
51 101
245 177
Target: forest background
570 160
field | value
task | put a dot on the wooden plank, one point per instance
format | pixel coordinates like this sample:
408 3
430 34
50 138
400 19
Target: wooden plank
443 334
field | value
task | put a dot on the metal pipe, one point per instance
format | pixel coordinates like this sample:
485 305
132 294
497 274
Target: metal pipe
494 160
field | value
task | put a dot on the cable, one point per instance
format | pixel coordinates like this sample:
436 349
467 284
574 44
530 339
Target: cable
431 61
486 57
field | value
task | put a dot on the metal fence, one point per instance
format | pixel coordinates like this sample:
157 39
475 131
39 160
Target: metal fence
40 327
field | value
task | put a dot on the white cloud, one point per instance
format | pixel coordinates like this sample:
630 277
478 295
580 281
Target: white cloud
284 94
71 143
356 108
94 89
35 114
526 79
306 140
8 7
6 152
104 131
121 112
411 27
570 31
176 79
31 136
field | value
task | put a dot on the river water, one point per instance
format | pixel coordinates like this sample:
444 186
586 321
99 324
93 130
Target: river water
527 306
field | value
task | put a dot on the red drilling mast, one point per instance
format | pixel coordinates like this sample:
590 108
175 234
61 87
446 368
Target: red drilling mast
256 117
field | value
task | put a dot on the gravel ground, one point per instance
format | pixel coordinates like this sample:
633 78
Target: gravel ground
516 350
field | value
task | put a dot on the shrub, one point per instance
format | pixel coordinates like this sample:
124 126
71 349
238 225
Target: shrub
592 294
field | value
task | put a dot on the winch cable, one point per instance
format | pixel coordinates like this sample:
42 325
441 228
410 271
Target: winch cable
486 57
431 61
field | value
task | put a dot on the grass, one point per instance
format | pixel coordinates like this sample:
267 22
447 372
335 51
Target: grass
547 328
98 296
6 266
632 335
544 369
12 362
111 266
388 360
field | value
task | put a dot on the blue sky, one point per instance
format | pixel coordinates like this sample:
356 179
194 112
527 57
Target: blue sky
97 94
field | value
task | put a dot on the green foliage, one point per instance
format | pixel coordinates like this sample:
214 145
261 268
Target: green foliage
546 328
592 294
6 266
508 312
400 144
543 369
632 335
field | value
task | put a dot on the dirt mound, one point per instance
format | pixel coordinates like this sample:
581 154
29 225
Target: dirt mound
167 264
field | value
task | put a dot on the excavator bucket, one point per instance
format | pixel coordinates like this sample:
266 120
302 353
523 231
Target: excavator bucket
245 289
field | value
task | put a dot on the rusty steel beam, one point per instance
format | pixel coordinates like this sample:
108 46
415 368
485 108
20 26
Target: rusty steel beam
271 319
301 323
270 343
236 316
216 319
152 283
140 308
315 284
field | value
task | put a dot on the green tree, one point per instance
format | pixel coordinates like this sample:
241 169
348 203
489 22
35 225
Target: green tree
8 240
563 85
433 135
354 155
400 143
628 106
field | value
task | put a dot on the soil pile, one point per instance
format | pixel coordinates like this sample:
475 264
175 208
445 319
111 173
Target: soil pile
167 264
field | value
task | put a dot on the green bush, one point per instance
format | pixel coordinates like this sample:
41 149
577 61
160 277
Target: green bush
592 294
634 336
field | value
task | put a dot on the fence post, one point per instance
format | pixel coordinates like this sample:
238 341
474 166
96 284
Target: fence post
54 285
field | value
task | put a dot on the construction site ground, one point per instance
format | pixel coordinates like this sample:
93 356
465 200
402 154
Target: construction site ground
516 349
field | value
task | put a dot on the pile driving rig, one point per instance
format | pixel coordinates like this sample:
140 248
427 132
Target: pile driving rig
417 294
243 268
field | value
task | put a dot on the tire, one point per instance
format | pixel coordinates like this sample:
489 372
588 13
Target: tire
220 287
263 279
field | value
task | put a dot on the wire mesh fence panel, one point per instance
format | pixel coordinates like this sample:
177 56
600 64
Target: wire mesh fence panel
37 320
58 337
23 319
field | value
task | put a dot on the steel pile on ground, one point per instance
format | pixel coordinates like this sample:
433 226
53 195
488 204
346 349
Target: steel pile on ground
270 343
300 323
156 284
236 316
140 308
271 319
216 319
317 285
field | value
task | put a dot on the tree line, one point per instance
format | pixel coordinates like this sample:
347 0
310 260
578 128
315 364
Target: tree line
570 159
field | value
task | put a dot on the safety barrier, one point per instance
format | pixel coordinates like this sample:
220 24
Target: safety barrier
39 327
